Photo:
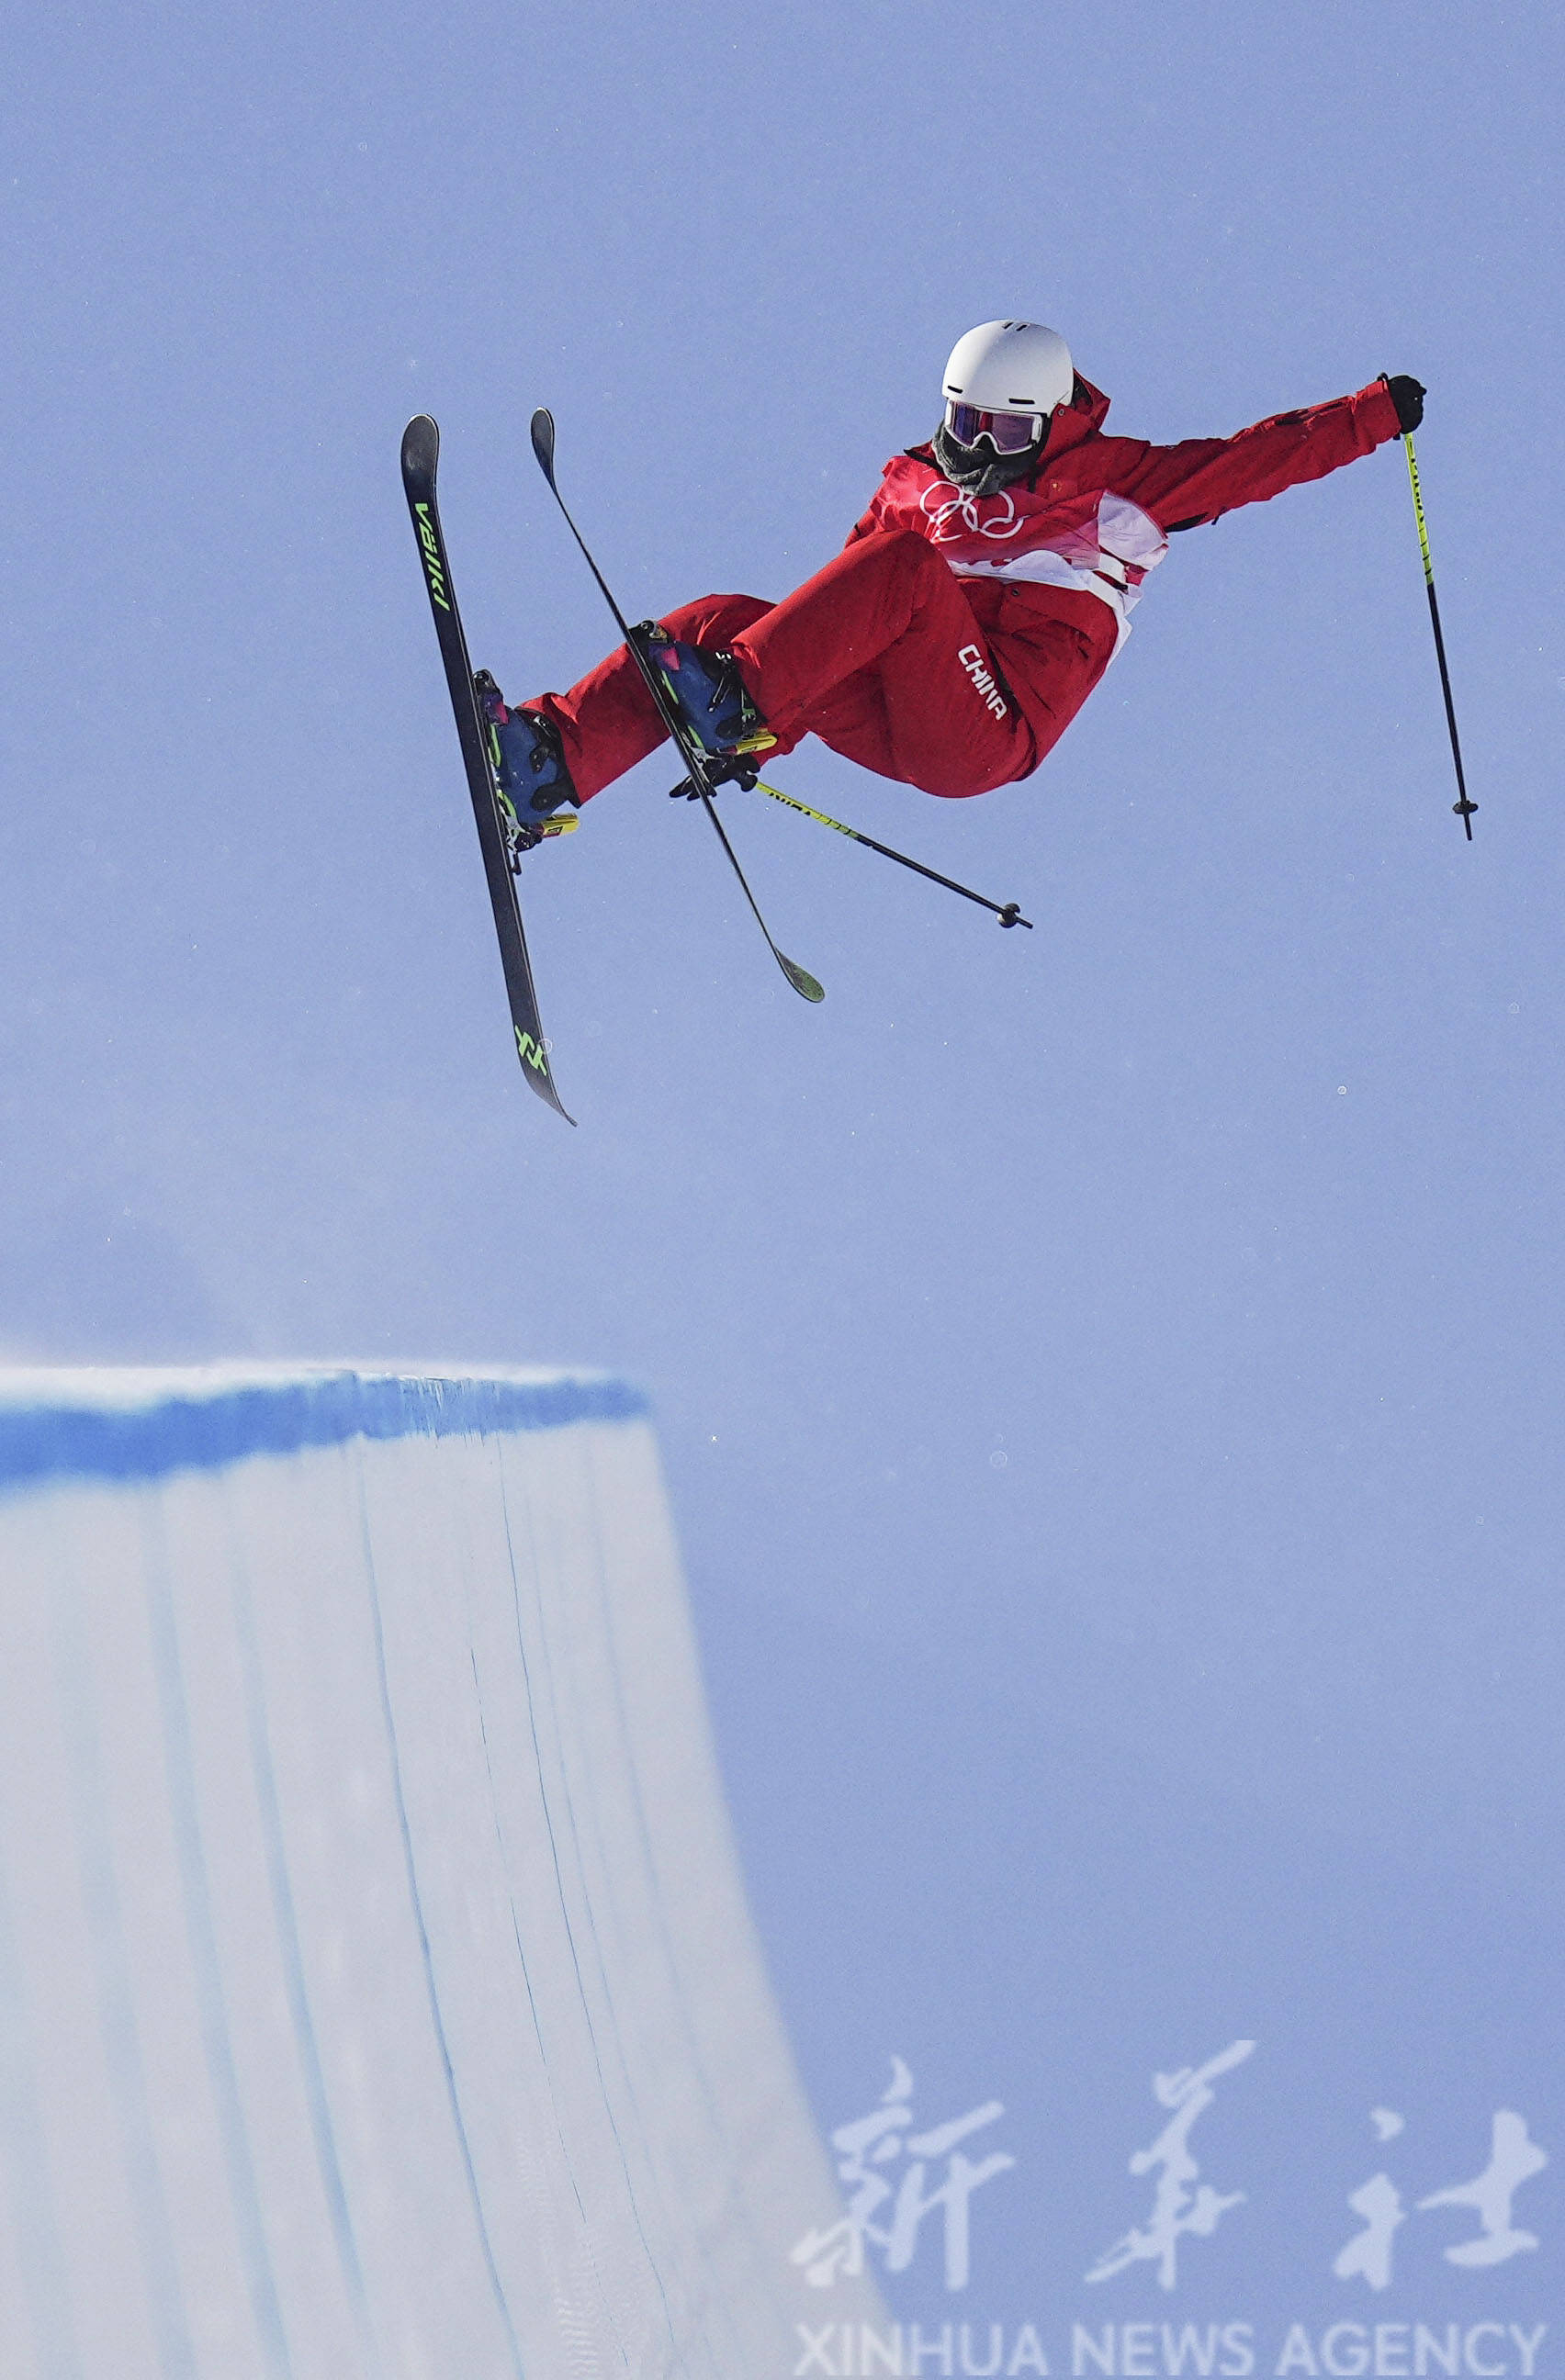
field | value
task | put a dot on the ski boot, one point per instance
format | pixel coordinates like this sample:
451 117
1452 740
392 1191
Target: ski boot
712 699
528 762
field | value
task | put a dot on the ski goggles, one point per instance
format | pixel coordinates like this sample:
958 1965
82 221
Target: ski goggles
1008 434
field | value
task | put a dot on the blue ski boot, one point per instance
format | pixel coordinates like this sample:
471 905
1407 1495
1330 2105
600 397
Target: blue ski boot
528 762
711 698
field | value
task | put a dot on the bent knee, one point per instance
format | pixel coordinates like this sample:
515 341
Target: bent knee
715 619
905 549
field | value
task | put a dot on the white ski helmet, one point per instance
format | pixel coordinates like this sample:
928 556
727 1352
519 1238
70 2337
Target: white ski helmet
1011 367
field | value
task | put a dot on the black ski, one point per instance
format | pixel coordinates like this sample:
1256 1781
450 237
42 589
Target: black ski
701 778
421 456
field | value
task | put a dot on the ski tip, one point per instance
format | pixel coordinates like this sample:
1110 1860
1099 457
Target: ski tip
803 983
544 442
421 444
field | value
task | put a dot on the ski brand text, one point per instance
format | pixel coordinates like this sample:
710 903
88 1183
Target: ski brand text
434 568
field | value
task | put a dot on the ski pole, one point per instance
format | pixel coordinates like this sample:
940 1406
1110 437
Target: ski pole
1011 915
1464 808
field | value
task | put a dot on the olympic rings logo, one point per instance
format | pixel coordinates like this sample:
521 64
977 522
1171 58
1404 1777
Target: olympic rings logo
954 515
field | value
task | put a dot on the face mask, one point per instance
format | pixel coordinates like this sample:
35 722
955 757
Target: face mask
978 471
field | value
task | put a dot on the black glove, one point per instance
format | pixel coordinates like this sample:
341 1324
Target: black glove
1407 395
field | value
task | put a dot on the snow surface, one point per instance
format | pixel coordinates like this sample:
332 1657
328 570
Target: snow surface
377 1993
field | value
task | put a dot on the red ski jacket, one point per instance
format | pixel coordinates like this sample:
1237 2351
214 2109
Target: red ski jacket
1074 542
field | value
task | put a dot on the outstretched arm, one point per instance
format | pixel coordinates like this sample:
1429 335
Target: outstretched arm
1184 485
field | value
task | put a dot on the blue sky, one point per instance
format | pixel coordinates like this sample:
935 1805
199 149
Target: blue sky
1225 1206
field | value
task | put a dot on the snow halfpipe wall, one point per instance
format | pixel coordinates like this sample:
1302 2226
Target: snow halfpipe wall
377 1995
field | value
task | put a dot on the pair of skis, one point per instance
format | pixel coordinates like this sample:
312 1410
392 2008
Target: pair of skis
501 835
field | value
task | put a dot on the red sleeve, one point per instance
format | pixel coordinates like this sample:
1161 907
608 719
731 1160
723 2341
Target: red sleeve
872 518
1182 486
867 521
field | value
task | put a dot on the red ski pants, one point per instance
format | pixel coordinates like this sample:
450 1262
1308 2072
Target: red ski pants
878 654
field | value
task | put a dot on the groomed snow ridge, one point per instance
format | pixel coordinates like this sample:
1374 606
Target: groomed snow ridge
377 1992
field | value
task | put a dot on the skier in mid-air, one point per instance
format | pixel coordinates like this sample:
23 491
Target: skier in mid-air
975 607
